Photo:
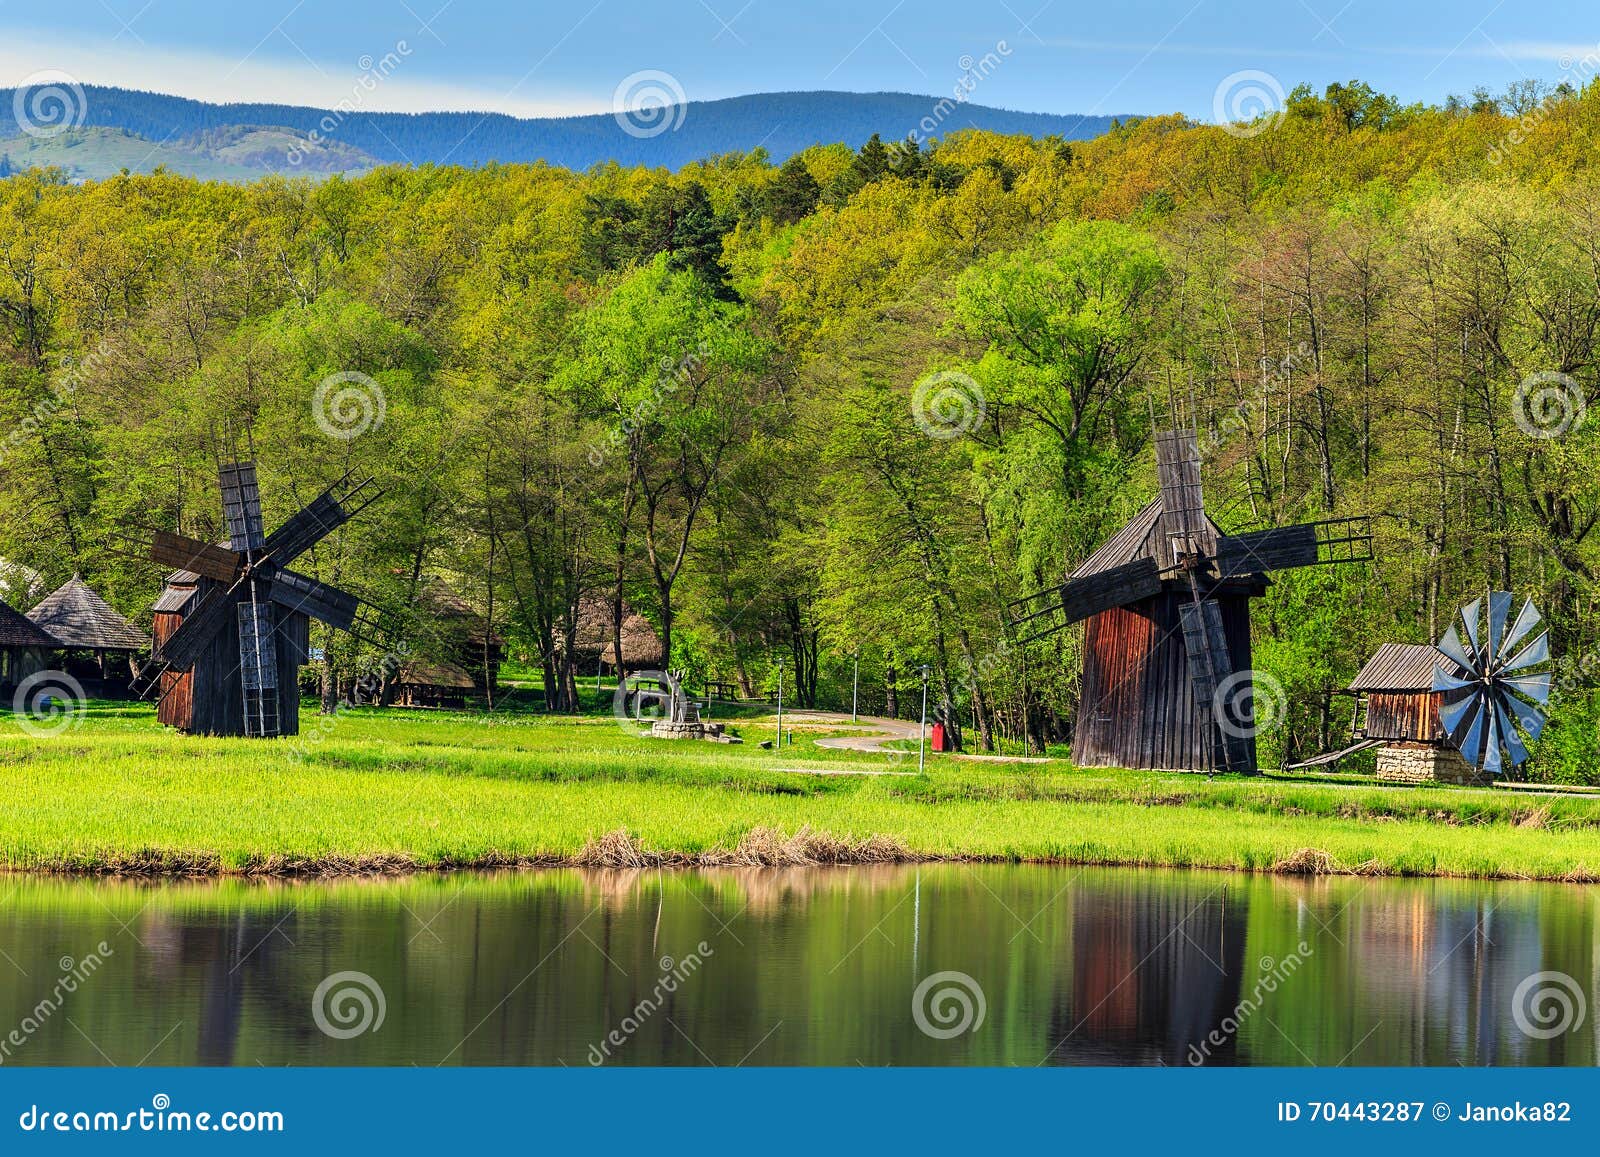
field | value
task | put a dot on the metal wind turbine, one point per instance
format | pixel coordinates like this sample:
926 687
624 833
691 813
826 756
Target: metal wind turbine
1498 691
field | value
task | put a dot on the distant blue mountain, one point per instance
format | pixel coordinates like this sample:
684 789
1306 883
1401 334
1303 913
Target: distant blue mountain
781 122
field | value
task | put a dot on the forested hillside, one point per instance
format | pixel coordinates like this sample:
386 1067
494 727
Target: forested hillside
856 402
782 123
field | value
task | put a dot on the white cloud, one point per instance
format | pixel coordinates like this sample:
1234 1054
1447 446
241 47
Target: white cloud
212 77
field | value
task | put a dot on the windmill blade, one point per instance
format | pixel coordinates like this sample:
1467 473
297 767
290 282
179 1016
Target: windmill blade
1451 647
1527 620
1508 733
1535 687
200 625
241 504
1258 551
1456 706
1184 527
1467 733
1444 681
1492 762
181 553
302 594
305 528
1471 615
1534 653
1500 603
1531 718
258 664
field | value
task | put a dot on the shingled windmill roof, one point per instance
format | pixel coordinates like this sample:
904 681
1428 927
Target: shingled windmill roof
1138 539
17 630
78 617
1402 667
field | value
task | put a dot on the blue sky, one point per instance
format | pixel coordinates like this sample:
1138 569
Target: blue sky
537 57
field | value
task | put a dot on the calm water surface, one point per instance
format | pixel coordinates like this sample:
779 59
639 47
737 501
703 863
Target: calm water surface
930 966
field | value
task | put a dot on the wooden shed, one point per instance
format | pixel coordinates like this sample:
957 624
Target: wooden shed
100 643
1397 706
24 646
1394 693
459 652
1138 703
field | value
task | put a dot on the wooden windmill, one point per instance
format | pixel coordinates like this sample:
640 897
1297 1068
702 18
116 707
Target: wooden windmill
1167 679
232 626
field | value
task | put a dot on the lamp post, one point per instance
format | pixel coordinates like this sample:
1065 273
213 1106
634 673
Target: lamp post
780 704
922 732
855 687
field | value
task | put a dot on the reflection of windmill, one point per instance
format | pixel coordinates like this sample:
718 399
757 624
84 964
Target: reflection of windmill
1166 664
231 628
1497 692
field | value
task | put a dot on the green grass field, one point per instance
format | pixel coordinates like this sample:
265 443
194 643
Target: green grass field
115 792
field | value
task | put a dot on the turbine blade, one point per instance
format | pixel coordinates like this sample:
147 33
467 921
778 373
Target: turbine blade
1500 603
1472 616
1527 619
1535 652
1492 760
1468 735
1447 682
1453 716
1451 647
1515 748
1535 687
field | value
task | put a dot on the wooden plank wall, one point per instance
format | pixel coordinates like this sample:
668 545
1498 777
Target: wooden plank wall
1404 715
1138 707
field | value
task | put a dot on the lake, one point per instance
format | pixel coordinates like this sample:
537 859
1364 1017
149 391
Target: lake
932 965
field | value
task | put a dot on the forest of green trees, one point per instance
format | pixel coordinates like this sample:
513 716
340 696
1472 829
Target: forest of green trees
853 404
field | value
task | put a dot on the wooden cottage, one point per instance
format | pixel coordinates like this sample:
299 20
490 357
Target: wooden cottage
24 647
221 709
458 652
101 645
1139 707
1396 704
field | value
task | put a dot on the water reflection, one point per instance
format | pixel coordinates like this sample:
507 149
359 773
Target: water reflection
1068 966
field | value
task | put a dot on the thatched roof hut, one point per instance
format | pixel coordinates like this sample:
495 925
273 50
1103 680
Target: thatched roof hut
593 644
23 644
81 620
455 641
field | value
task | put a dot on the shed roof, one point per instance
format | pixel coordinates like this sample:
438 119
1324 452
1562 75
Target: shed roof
1401 667
442 673
17 630
79 617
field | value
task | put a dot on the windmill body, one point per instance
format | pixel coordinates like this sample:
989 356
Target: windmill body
1167 669
232 626
1139 706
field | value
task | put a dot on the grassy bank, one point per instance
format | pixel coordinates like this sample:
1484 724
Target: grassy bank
398 790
